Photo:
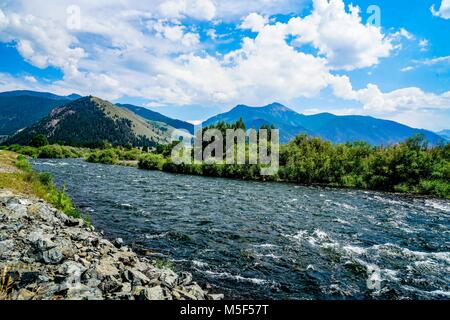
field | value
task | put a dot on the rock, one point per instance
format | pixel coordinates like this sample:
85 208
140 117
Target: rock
154 293
25 294
122 296
52 256
216 296
106 268
118 242
196 291
72 222
184 294
23 278
126 287
72 268
110 284
168 278
43 212
5 247
135 277
126 258
47 291
184 279
83 292
40 241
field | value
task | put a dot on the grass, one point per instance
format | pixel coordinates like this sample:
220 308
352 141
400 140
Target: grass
40 185
5 285
163 264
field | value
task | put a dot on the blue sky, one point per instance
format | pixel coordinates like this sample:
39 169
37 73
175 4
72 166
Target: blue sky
193 59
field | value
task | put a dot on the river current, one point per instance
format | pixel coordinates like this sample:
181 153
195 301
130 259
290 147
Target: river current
270 240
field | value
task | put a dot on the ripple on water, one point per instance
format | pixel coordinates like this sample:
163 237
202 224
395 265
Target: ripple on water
298 242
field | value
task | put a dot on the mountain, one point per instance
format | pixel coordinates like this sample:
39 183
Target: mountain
89 121
445 134
18 112
337 129
46 95
286 120
155 116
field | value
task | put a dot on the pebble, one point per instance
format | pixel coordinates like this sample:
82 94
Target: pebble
49 255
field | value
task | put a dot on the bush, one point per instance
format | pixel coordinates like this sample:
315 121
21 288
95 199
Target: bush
107 156
38 140
45 178
58 152
435 187
152 162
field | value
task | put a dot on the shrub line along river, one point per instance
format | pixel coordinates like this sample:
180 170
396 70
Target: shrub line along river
270 240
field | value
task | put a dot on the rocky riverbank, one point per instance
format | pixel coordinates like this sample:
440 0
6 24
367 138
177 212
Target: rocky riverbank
45 254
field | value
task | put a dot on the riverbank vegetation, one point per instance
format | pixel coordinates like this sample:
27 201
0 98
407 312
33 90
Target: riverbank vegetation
17 175
411 167
48 151
114 155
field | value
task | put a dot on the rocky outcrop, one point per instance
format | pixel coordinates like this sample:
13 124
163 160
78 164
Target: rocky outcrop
49 255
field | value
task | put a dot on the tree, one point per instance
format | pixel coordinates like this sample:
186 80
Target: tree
38 141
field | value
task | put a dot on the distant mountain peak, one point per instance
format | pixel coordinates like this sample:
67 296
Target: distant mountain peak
46 95
338 129
276 105
74 96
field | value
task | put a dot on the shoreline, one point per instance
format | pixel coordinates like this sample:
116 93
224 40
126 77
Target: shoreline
47 255
134 164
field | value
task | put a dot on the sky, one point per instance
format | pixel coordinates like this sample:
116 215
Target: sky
192 59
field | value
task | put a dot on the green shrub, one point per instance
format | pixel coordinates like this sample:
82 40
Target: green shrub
437 188
152 162
45 178
107 156
38 140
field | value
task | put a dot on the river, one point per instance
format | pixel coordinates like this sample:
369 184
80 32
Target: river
260 240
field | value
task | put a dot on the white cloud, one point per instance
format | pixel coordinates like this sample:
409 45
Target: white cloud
30 79
424 44
403 33
433 61
427 62
177 34
407 69
42 42
130 48
254 22
443 11
342 37
375 101
199 9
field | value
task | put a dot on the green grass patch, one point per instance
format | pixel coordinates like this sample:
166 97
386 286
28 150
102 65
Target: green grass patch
39 185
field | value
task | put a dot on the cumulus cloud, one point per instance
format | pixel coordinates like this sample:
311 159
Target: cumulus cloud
375 101
177 34
443 11
42 42
254 22
199 9
341 36
130 48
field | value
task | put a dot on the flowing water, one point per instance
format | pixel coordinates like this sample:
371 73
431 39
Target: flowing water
271 240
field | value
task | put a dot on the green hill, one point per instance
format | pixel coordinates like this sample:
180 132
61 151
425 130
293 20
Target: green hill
90 121
19 112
